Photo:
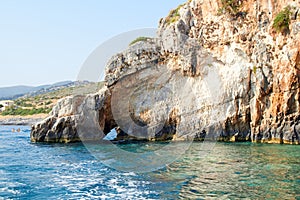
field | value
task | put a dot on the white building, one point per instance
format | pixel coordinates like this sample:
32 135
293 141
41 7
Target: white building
4 104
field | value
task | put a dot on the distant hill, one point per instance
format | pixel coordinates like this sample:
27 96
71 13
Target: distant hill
41 100
14 92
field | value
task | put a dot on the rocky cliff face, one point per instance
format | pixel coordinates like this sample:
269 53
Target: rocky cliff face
218 69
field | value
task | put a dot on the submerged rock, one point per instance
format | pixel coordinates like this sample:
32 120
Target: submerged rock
207 75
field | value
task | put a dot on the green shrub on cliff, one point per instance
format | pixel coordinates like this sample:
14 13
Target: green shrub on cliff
282 20
139 39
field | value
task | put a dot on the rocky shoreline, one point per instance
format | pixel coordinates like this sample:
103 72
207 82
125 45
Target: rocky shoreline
216 70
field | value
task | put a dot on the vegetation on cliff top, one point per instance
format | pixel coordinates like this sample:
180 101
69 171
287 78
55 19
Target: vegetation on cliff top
282 20
174 15
139 39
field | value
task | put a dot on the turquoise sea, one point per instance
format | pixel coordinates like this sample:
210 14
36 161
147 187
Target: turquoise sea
70 171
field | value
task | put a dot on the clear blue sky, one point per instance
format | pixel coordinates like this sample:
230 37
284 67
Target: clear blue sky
44 42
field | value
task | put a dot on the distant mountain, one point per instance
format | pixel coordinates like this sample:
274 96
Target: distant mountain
10 93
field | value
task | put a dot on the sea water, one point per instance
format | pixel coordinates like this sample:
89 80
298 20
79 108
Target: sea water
70 171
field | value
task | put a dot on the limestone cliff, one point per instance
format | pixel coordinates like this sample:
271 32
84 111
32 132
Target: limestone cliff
217 69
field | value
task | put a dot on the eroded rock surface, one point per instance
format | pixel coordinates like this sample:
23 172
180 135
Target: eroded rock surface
208 74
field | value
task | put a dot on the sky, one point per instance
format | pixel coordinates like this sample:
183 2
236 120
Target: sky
43 42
